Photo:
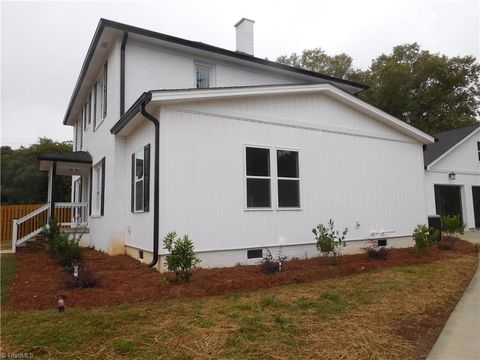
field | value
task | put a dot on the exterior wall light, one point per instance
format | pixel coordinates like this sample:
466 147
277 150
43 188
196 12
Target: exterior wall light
452 176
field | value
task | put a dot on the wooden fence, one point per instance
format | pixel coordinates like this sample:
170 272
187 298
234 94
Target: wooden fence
10 212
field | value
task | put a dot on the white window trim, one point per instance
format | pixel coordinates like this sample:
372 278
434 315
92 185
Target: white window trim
142 149
288 208
96 190
104 76
100 118
211 73
273 179
246 208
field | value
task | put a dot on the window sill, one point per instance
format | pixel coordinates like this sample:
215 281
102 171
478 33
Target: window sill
289 209
93 216
97 125
258 209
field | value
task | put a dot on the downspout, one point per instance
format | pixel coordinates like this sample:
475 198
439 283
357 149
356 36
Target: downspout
156 187
122 73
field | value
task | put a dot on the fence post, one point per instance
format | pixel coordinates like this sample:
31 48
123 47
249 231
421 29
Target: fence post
14 235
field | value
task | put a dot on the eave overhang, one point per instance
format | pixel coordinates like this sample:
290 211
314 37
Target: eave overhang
108 32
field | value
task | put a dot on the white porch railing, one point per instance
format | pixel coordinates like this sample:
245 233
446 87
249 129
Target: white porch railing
79 213
28 226
32 224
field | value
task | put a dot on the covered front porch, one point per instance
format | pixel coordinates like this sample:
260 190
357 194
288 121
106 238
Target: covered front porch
72 214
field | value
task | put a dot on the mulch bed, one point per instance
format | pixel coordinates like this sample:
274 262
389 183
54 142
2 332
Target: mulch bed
39 279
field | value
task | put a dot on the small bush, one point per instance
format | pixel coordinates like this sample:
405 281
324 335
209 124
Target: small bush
64 248
270 265
84 279
424 237
376 252
182 257
329 242
451 225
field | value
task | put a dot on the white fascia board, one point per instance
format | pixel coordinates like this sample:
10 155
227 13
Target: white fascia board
429 166
172 97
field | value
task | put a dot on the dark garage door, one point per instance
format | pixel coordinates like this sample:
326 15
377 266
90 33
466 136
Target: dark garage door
448 200
476 205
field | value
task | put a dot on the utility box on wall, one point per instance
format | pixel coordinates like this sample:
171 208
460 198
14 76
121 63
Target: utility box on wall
435 221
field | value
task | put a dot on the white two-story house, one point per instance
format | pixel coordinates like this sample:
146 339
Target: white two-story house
238 152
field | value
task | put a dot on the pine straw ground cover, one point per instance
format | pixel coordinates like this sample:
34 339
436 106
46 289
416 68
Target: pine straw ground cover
392 313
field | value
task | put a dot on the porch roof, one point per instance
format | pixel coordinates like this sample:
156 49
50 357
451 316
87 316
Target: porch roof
68 163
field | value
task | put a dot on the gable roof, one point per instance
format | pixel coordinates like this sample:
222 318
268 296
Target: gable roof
111 27
160 97
446 140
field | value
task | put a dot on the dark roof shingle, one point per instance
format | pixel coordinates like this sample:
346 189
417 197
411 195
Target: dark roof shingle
446 140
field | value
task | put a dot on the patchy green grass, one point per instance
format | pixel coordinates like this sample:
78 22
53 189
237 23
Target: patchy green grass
5 244
295 321
7 273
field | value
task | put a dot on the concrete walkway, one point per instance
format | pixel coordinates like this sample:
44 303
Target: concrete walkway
460 338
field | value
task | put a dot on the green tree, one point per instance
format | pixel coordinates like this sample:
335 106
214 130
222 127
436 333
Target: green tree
22 183
427 90
317 60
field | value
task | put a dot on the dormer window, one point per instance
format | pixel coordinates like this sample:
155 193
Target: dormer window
203 76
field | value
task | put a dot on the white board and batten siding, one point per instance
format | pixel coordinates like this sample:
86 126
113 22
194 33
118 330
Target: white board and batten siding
352 169
154 67
107 231
138 225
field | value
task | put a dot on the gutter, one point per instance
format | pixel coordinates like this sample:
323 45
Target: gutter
156 190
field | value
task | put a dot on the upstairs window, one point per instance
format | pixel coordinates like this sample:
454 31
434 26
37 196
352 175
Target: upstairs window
105 92
203 77
95 106
288 179
89 109
258 177
478 148
84 117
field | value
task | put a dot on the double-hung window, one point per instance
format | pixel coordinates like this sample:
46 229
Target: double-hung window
258 177
95 106
105 88
203 76
89 109
272 171
141 180
478 148
288 180
97 189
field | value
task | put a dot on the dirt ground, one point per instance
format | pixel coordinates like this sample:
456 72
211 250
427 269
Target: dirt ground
38 282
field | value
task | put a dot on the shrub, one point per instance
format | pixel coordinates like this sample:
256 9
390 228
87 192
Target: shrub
424 237
451 225
376 252
269 264
329 242
182 257
84 279
64 248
